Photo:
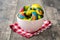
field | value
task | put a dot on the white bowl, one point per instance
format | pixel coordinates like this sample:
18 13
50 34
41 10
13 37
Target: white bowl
30 26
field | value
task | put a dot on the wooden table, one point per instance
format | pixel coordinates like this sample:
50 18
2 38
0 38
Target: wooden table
10 8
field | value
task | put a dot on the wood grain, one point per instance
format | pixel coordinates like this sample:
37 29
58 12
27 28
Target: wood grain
7 11
51 14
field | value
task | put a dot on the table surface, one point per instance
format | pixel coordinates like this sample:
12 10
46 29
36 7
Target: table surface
9 9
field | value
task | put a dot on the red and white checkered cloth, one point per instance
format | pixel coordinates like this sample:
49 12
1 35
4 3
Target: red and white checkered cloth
16 28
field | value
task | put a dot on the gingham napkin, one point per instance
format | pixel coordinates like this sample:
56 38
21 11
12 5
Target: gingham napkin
16 28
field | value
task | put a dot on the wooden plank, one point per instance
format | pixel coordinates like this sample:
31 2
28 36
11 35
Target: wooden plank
55 30
7 11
